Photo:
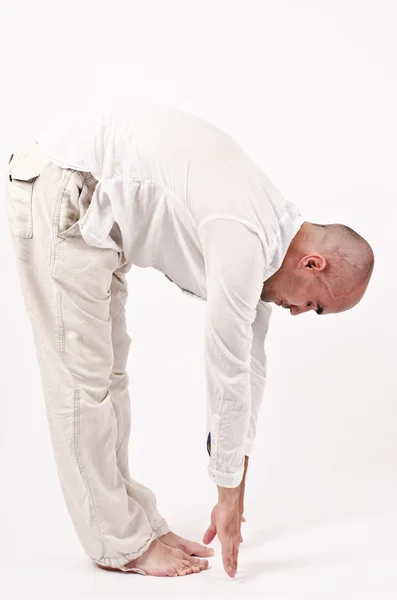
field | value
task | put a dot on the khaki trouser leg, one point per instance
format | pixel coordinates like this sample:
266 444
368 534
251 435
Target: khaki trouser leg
121 400
67 287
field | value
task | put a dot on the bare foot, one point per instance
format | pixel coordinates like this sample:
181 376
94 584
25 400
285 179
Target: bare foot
160 560
191 548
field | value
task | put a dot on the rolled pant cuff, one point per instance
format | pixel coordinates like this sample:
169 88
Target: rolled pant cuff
122 560
162 530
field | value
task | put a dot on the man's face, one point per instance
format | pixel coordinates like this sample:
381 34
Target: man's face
305 286
300 298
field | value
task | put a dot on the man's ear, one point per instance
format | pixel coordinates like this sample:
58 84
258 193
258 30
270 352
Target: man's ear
313 261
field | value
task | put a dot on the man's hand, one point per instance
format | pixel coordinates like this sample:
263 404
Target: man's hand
226 523
226 520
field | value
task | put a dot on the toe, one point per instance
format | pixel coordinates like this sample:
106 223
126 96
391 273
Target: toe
190 559
187 566
196 569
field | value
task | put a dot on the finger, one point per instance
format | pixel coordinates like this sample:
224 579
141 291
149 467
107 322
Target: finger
229 569
229 556
235 559
243 519
226 557
209 534
232 559
241 539
199 550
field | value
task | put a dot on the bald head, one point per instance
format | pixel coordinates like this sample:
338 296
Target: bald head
350 259
327 268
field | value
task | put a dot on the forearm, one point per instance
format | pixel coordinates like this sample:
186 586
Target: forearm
234 495
242 490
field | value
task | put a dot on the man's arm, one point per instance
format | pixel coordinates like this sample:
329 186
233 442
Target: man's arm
235 266
257 381
258 369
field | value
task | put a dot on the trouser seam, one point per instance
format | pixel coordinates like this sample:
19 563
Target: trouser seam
55 220
76 432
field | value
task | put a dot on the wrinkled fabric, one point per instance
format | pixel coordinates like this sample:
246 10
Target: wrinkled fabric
75 296
192 204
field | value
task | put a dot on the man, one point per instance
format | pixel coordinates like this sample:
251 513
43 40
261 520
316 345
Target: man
156 187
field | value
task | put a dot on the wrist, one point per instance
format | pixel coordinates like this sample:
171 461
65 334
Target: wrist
229 495
233 495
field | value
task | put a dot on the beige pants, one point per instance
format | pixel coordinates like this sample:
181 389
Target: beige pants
75 296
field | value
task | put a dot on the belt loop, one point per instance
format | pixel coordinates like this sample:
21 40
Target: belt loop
89 179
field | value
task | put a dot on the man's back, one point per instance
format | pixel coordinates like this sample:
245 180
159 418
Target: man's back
163 173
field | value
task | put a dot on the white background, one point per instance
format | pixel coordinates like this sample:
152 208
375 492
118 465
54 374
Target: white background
309 89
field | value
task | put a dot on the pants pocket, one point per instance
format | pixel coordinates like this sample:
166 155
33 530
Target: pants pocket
21 179
75 202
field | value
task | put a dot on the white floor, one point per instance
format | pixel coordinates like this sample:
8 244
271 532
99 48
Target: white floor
352 558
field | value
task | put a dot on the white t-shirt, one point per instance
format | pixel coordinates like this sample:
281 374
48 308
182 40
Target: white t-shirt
190 203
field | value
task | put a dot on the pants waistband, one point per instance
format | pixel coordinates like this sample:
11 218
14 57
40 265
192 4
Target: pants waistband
33 154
